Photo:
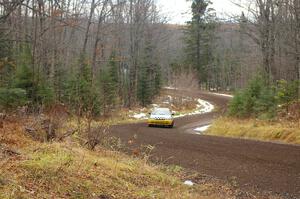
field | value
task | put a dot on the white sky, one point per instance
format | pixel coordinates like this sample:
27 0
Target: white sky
178 11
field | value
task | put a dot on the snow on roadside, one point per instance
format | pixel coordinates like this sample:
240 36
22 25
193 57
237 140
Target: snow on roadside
202 107
140 116
205 106
222 94
202 129
170 88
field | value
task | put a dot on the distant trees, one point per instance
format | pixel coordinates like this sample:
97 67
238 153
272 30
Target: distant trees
263 40
91 55
272 25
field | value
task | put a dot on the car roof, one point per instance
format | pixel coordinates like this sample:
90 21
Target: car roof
162 109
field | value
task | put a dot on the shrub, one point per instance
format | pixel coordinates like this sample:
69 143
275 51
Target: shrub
266 104
287 91
12 98
257 99
236 105
44 93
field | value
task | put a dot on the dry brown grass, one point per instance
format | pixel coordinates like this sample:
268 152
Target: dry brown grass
282 131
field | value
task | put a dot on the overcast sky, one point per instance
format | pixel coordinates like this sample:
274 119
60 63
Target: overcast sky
178 11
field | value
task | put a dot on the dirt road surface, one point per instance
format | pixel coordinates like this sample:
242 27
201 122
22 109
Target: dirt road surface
259 166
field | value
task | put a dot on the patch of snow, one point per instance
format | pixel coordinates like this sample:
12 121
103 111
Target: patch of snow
202 107
170 88
206 107
222 94
140 116
202 128
188 182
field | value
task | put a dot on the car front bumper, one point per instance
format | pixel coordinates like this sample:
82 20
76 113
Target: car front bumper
160 122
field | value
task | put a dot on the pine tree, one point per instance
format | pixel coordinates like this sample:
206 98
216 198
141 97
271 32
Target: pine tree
144 88
199 38
109 82
87 95
149 77
113 68
39 91
81 93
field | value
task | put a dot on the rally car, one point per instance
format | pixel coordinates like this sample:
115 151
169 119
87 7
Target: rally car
161 117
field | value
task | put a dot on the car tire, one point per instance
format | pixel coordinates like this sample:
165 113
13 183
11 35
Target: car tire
149 125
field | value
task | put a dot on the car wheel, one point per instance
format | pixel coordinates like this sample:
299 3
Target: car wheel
149 125
172 125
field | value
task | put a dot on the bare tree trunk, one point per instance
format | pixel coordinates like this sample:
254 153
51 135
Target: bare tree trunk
98 36
297 41
86 36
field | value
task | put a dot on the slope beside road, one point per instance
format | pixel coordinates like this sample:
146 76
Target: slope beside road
254 165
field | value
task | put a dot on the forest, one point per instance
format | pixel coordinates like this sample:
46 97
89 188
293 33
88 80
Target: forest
95 56
91 55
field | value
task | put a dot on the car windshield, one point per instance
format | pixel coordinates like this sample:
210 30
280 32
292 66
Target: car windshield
161 112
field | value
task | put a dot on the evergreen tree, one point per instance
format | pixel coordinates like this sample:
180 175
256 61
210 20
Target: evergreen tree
39 91
109 82
199 37
149 77
87 97
144 89
113 68
81 93
11 98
